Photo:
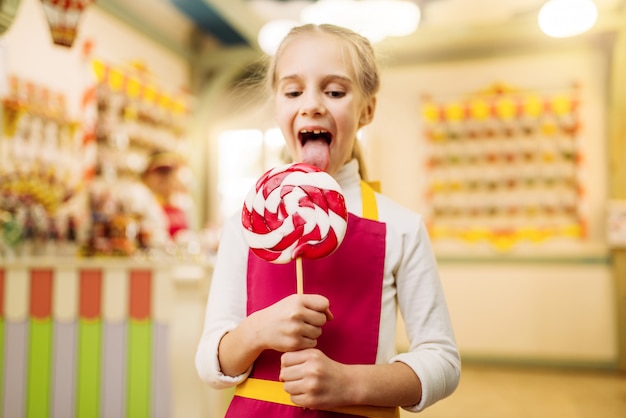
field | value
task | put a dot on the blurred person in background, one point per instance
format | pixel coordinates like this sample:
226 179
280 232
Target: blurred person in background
163 177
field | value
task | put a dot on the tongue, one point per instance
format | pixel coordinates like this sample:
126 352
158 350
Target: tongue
316 152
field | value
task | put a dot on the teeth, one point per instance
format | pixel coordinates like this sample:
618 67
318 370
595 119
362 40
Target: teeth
316 131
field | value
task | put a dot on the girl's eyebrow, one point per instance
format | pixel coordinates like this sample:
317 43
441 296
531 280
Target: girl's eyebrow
337 77
289 78
326 79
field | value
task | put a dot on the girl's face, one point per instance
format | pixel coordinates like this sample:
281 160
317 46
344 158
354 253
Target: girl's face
319 106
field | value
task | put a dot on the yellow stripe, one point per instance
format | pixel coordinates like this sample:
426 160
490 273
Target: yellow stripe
65 294
370 209
115 294
375 184
264 390
17 292
270 391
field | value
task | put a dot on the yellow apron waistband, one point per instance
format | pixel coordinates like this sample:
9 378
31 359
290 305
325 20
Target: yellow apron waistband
270 391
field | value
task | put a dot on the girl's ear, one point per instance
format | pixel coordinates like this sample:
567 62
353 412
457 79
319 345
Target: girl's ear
367 114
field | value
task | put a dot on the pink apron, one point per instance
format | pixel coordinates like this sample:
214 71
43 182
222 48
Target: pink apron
351 278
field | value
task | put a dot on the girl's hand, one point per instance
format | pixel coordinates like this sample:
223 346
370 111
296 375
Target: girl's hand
315 381
293 323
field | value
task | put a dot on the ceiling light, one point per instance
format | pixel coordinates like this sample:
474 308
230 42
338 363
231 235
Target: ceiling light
272 33
564 18
374 19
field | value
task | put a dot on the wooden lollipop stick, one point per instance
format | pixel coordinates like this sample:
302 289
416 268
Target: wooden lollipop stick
299 281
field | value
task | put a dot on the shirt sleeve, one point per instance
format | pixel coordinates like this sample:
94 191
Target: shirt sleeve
226 306
432 354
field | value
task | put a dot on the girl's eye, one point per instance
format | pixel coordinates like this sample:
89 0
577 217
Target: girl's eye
292 93
336 94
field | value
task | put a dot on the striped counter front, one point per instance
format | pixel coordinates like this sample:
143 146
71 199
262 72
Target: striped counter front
84 339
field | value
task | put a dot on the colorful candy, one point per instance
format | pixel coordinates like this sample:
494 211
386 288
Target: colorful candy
294 211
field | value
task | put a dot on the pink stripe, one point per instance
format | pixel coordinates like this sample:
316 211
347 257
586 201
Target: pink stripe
41 294
140 292
90 292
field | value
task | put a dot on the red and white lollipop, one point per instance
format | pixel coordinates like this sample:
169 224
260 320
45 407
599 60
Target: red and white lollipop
294 211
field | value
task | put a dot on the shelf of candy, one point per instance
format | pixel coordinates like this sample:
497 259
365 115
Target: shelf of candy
136 117
115 230
41 167
504 167
126 220
27 229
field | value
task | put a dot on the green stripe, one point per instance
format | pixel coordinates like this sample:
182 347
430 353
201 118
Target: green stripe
139 368
89 359
39 369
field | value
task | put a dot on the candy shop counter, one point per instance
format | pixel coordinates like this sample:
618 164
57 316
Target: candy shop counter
99 337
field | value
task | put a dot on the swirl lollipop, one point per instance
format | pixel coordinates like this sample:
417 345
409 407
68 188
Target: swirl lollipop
294 211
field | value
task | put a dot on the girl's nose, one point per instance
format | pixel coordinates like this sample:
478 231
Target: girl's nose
312 105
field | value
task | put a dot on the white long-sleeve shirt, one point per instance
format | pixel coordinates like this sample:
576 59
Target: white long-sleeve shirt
411 282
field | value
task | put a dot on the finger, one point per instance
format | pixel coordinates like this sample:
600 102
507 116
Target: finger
295 389
292 358
312 332
290 372
329 315
315 318
317 303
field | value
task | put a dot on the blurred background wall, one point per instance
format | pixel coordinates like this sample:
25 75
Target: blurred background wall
555 299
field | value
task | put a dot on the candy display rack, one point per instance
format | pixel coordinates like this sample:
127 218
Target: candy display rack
504 167
46 159
42 166
134 117
87 336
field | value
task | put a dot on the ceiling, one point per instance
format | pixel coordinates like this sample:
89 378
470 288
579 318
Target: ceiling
183 25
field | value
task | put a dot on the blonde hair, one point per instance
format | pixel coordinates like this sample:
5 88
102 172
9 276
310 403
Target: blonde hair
363 60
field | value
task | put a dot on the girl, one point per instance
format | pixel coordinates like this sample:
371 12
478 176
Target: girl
330 352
